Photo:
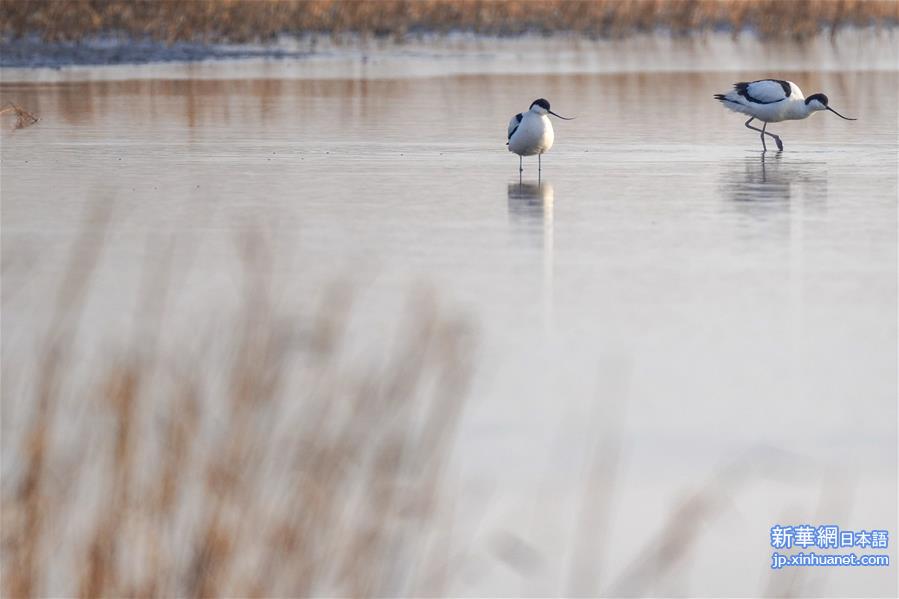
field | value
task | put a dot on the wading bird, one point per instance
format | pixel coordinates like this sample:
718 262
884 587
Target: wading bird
531 132
773 101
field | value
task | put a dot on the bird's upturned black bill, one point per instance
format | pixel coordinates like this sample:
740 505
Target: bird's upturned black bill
840 115
568 119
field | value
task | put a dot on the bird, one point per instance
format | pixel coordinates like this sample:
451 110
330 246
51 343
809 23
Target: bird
531 132
773 101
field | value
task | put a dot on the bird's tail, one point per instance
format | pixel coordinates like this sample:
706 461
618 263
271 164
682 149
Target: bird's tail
727 101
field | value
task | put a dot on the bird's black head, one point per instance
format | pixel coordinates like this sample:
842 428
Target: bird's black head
816 102
541 107
541 103
819 97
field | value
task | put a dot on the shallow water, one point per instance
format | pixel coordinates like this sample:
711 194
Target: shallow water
666 294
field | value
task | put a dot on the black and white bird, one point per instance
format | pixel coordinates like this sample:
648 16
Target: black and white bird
531 132
773 101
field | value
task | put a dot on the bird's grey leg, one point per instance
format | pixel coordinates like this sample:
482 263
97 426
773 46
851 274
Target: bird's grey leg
748 126
539 162
520 167
779 143
762 131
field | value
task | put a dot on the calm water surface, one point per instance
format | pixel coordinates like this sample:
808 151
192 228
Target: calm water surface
665 285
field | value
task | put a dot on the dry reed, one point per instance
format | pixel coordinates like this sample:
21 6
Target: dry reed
288 472
248 20
23 117
303 475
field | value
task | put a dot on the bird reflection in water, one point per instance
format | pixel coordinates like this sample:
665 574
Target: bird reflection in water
530 201
773 198
531 211
775 180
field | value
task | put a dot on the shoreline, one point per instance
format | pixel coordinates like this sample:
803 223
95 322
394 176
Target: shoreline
321 57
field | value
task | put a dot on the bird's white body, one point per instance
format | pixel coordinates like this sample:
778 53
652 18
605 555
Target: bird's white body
533 134
769 100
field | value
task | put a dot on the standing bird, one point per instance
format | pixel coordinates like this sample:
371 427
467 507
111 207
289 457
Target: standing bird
773 101
531 132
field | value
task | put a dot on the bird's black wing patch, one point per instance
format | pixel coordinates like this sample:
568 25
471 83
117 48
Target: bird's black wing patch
743 89
512 131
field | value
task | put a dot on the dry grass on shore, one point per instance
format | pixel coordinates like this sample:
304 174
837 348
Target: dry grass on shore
250 20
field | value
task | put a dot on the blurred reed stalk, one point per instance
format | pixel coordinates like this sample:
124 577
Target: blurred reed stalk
287 472
23 117
255 20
